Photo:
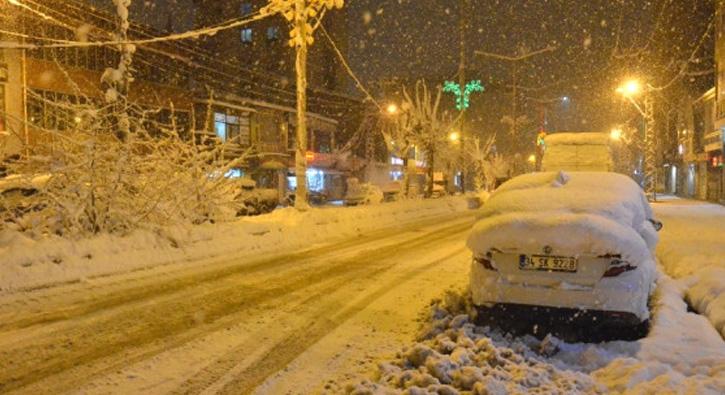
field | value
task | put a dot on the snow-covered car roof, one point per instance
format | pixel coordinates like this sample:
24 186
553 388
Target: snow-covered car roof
577 212
19 181
612 195
577 139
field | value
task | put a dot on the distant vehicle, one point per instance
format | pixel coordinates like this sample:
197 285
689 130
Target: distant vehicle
16 192
358 193
391 191
255 201
318 198
574 246
577 152
439 185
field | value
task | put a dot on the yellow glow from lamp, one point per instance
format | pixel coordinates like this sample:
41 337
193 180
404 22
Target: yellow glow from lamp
630 88
616 134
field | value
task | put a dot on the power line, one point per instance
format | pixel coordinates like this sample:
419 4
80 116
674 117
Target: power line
197 51
208 31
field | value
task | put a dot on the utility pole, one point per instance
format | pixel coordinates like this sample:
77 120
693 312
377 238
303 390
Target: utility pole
515 75
465 8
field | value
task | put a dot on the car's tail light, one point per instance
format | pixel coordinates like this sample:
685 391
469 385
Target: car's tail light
485 262
615 271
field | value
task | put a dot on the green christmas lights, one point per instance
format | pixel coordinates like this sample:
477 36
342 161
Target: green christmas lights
463 96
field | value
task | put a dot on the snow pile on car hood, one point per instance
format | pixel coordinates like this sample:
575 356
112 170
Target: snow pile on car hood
574 213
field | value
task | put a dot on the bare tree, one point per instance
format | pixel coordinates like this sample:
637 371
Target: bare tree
479 155
424 125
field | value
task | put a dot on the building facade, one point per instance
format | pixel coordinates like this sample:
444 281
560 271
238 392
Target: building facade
714 141
209 97
695 120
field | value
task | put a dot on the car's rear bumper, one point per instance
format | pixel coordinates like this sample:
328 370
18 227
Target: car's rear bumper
627 294
544 315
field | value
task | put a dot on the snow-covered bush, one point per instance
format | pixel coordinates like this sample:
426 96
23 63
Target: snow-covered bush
99 182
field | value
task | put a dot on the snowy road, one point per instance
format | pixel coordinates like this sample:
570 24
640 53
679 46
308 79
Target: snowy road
275 324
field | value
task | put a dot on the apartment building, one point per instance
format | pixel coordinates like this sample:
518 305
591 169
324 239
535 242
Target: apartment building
208 96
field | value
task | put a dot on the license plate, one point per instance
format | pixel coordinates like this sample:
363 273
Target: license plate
548 263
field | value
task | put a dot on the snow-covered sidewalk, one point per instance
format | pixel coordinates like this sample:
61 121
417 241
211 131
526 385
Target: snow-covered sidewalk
692 250
27 263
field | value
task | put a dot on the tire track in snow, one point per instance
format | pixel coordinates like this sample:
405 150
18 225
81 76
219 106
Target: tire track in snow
321 320
21 312
98 338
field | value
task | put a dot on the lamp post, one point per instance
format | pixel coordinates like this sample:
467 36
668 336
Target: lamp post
630 90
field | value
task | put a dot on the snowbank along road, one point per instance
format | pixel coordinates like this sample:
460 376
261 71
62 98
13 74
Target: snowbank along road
284 323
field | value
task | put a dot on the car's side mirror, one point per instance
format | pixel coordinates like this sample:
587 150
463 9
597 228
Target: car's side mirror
656 224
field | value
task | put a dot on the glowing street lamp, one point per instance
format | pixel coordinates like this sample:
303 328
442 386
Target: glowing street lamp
630 88
392 109
454 137
616 134
532 158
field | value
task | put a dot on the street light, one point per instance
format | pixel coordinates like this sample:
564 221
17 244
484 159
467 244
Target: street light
630 88
392 109
454 137
532 158
616 134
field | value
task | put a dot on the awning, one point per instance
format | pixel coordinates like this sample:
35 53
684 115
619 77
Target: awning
273 165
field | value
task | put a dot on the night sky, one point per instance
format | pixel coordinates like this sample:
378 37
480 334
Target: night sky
600 42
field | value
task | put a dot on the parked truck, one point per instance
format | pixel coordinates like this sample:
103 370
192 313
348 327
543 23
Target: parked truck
578 152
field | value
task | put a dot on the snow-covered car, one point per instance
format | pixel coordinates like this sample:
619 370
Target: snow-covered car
254 200
358 193
17 191
578 246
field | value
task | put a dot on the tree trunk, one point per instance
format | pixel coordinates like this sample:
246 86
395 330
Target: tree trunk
431 171
301 70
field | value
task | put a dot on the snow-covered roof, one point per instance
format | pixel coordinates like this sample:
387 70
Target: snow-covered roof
577 139
578 212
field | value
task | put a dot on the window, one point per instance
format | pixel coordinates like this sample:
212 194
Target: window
246 9
235 173
51 110
272 33
232 128
220 126
323 142
396 175
247 35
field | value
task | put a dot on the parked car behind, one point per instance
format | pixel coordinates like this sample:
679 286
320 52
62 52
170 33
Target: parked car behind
578 152
255 201
17 191
358 193
576 246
